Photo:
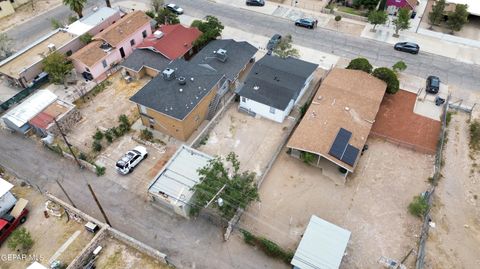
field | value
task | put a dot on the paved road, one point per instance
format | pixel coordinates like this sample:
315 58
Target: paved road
27 32
188 244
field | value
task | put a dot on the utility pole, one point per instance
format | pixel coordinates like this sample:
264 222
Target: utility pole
66 194
99 205
68 144
213 198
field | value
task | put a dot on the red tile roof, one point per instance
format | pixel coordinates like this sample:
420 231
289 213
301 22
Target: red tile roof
175 42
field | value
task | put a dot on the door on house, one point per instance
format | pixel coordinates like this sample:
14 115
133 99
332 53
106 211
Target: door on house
122 52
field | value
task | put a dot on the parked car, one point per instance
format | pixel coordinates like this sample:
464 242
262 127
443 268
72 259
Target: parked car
175 9
305 22
407 47
259 3
433 84
273 42
131 159
9 221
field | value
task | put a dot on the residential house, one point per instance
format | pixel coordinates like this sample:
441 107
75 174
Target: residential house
274 86
172 186
112 45
172 41
166 44
337 123
227 56
394 5
322 246
25 67
178 100
7 7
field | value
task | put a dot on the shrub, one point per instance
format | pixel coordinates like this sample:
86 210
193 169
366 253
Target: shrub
98 135
96 146
270 248
307 157
145 134
109 135
248 237
399 66
475 135
100 170
448 118
338 18
387 75
82 156
419 206
124 123
72 19
360 64
150 14
86 38
20 240
116 132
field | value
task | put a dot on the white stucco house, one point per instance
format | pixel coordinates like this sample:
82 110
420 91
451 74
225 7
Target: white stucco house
274 86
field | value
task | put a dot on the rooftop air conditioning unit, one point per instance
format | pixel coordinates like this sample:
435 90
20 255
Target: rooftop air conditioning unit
51 47
158 34
168 74
221 55
182 80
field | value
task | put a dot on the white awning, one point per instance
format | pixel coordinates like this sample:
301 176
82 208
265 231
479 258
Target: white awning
5 186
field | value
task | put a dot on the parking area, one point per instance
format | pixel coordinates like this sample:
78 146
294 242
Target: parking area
254 140
102 111
397 122
54 238
372 204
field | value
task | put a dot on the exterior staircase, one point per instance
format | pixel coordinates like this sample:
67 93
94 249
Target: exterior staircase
213 107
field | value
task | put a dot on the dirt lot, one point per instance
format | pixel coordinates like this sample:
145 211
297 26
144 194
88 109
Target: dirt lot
103 110
117 255
372 204
397 121
347 27
254 140
455 242
49 234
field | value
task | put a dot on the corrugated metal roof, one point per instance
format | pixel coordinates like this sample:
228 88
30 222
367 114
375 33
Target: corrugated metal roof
180 174
84 25
322 246
29 108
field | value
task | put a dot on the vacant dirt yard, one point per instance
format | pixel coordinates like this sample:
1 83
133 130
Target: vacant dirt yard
27 11
102 111
455 241
117 255
372 204
49 234
254 140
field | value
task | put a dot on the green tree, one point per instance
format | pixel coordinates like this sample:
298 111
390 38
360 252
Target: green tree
239 191
211 28
399 66
86 38
377 17
402 22
20 240
56 24
368 4
436 15
157 6
458 18
285 48
419 206
5 45
165 16
57 67
76 6
360 64
387 75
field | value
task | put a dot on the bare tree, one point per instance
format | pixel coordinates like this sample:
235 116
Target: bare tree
157 6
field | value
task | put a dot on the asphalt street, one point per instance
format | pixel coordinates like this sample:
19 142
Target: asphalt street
187 243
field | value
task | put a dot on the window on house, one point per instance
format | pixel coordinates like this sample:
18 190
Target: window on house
144 33
86 69
244 100
104 63
132 42
272 110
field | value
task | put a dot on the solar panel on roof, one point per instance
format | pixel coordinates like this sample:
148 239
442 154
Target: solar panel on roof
340 143
350 155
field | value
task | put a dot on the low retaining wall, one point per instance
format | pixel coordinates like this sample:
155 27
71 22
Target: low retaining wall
344 15
141 247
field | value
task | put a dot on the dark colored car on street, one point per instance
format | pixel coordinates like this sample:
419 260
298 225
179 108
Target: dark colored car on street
407 47
273 42
305 22
433 84
175 9
259 3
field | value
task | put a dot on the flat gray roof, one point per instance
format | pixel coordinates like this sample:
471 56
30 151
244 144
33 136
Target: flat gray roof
322 246
180 174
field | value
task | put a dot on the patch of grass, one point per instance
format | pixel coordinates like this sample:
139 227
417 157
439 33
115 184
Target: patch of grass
204 140
268 247
449 117
100 170
475 135
419 206
351 10
307 157
97 146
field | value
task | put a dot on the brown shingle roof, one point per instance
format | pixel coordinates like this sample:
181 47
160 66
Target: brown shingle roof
347 99
124 28
90 54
